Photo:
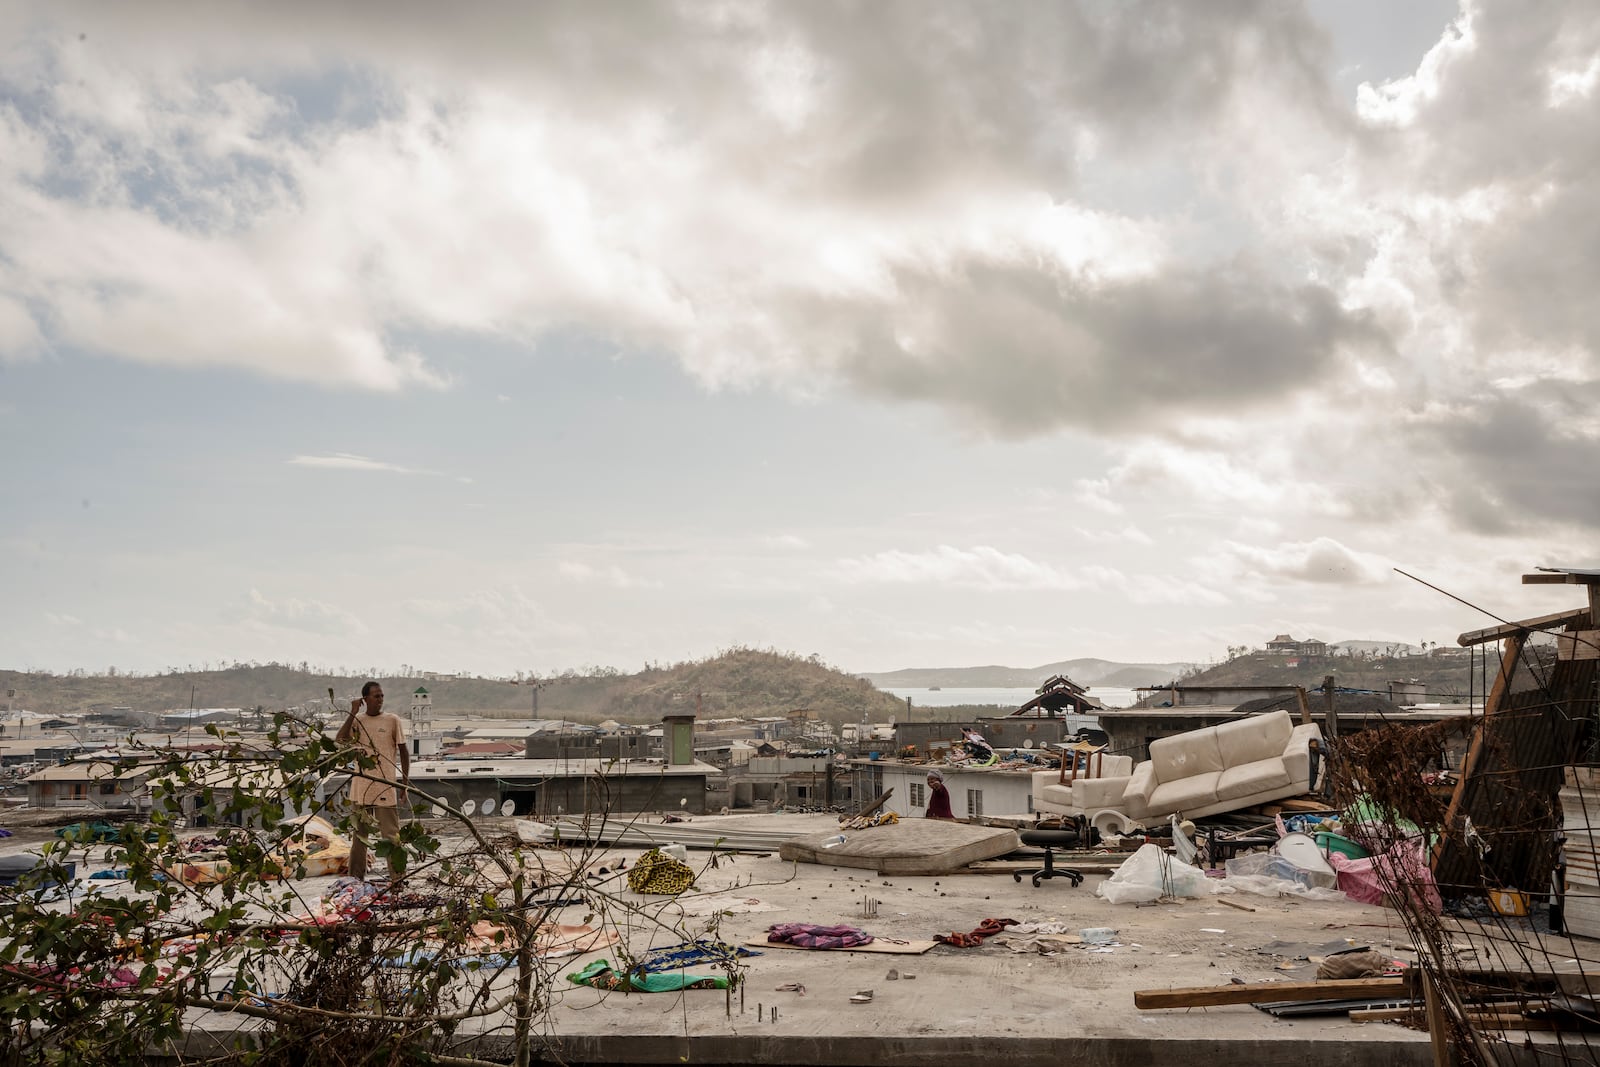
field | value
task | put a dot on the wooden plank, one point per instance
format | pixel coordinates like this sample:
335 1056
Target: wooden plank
1382 1015
1543 622
1438 1028
1578 644
1270 992
1491 705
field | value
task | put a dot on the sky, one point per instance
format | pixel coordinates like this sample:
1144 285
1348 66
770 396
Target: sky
504 337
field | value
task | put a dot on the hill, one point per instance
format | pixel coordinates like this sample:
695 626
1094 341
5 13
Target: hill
745 682
1085 672
1446 678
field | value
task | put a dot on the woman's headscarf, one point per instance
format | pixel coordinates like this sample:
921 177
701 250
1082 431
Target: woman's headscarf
936 775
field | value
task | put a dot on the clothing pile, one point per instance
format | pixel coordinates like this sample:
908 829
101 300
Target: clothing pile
810 935
987 928
657 872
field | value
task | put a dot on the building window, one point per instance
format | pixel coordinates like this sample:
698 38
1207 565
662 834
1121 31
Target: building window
974 802
919 795
108 789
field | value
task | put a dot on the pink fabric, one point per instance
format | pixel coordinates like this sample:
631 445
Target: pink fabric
1401 872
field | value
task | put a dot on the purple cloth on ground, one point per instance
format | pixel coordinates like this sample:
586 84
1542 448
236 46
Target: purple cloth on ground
809 935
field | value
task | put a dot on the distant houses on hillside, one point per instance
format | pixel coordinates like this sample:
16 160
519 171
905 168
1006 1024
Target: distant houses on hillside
1284 645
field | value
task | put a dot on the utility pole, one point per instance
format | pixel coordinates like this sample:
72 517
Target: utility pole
1330 719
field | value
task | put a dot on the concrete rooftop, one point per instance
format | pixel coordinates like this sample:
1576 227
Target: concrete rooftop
974 1006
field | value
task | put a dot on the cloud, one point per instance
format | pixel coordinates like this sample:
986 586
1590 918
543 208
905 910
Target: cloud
1127 535
611 575
981 567
927 230
309 616
786 542
1532 453
347 461
1322 561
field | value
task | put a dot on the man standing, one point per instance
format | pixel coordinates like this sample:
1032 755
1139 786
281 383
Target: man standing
382 737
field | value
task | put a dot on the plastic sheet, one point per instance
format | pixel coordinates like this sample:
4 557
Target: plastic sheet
1150 874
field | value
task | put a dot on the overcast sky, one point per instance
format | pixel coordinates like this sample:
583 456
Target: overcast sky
500 337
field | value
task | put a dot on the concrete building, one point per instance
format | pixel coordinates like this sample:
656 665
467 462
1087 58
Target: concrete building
104 785
974 791
548 787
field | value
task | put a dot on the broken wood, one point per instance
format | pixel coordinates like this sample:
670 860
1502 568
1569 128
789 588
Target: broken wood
1231 904
1382 1015
883 798
1543 622
1271 993
1438 1026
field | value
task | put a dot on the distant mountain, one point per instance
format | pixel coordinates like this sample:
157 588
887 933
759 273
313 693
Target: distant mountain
1085 672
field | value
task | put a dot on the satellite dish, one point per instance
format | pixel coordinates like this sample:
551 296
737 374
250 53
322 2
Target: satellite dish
508 807
440 811
1027 742
469 807
485 809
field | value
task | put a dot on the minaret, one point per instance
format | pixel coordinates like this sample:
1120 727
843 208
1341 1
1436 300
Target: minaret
421 711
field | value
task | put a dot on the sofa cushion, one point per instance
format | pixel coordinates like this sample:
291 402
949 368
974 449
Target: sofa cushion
1255 737
1251 778
1091 793
1195 791
1185 755
1057 794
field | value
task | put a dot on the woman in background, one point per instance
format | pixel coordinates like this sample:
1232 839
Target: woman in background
938 798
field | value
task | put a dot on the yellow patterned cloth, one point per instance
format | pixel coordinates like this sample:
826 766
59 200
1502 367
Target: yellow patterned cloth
656 872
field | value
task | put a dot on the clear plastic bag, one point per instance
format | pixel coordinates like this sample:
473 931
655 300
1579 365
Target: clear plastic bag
1150 874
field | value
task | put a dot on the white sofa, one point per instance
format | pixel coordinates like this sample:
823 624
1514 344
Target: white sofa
1203 772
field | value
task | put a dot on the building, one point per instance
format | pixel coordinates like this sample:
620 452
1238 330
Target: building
1284 645
576 786
974 791
95 784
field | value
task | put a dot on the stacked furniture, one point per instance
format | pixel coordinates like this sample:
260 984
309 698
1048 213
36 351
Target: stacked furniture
1203 772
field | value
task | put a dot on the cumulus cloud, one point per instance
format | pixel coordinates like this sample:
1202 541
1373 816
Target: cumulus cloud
924 227
1322 561
1133 219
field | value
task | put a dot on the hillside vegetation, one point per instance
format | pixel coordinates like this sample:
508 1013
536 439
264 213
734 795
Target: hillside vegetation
1447 678
745 682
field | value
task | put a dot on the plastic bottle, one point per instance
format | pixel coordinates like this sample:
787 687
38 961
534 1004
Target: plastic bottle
834 841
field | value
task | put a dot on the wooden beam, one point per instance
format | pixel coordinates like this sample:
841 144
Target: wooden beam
1382 1015
1579 616
1491 706
1560 579
1438 1027
1271 992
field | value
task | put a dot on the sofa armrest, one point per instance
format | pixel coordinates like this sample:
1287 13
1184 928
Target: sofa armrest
1297 756
1136 796
1042 779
